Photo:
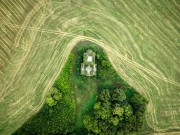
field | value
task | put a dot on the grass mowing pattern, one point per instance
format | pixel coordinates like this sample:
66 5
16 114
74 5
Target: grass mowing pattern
141 39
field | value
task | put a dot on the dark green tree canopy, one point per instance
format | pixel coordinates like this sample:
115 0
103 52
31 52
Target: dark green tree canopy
111 117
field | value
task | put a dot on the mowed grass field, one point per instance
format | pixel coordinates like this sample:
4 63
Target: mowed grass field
141 39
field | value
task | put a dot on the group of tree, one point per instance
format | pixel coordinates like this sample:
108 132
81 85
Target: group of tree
114 111
115 114
53 97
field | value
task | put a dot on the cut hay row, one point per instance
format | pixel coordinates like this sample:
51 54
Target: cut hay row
140 38
11 12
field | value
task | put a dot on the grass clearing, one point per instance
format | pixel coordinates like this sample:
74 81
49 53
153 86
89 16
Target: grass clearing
87 107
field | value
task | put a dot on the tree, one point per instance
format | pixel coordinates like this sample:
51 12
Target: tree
56 94
138 102
91 124
97 105
50 101
105 63
127 111
53 97
118 95
103 113
118 111
115 120
104 95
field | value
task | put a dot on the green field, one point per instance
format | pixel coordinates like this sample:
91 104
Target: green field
141 39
